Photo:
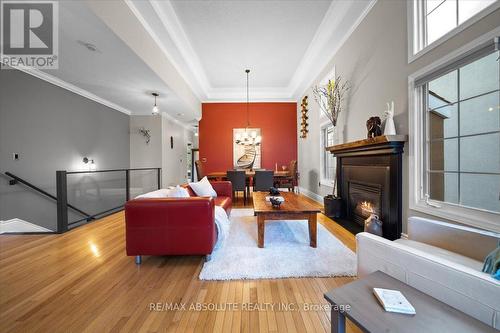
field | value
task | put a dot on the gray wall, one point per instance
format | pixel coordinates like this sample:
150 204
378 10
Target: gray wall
53 129
175 159
145 155
142 154
158 153
375 60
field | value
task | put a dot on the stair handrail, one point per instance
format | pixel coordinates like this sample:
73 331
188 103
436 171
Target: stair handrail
36 188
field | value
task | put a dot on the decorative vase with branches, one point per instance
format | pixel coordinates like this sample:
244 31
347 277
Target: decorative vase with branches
330 99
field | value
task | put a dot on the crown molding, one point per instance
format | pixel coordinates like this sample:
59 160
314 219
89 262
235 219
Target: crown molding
173 26
340 16
178 122
237 94
182 56
252 102
318 55
70 87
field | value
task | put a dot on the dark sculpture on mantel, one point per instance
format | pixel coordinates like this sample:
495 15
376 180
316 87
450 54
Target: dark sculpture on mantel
373 127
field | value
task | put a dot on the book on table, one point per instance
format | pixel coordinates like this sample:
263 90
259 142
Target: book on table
393 301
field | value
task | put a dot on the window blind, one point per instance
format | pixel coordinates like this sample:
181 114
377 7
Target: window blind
466 58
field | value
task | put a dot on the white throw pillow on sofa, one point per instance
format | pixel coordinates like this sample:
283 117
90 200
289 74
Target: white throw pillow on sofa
178 192
161 193
203 188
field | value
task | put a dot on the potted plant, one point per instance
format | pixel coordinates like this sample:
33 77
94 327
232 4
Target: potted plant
329 99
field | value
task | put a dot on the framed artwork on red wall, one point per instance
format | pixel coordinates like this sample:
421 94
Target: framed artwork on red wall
247 148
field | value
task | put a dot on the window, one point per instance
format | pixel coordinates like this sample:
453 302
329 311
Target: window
329 162
463 144
458 116
434 21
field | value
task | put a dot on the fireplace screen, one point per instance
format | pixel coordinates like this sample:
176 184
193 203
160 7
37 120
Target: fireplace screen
364 199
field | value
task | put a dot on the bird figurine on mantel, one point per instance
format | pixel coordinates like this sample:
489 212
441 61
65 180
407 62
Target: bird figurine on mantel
390 128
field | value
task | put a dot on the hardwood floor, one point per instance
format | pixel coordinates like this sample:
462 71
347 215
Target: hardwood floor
83 281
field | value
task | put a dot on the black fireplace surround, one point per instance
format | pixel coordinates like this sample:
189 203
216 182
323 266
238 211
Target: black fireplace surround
369 172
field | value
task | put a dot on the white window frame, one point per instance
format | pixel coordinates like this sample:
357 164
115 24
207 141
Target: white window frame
325 124
417 201
416 28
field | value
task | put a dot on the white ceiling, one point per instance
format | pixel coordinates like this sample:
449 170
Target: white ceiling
195 51
268 37
285 43
114 73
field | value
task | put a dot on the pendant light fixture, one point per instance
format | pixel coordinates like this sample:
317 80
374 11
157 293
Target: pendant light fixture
248 138
248 101
156 109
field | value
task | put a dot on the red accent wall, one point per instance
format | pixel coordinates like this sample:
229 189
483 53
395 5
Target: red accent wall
277 121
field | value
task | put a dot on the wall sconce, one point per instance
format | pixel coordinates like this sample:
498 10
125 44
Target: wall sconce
304 124
90 162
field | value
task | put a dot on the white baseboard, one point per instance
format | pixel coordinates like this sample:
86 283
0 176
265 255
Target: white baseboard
316 197
18 225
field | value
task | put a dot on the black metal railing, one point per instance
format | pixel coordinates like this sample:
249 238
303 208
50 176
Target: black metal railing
39 190
63 223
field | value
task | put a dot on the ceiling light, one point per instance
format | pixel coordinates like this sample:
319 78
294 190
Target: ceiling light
248 139
156 109
248 100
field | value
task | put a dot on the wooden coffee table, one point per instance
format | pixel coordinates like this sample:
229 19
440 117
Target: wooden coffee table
295 207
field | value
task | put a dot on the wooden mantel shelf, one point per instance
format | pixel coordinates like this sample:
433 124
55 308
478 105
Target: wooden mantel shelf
379 142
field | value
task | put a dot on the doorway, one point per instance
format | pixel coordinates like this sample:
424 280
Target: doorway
195 156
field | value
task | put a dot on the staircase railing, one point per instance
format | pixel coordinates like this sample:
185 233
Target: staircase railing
62 196
39 190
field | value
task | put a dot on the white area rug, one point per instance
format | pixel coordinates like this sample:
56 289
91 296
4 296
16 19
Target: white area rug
286 252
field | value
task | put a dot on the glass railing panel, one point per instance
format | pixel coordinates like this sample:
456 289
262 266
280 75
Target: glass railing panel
143 181
95 193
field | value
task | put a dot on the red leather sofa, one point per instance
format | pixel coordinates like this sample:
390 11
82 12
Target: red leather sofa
175 226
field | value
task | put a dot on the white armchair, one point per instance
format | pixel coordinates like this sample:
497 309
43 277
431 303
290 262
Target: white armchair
441 260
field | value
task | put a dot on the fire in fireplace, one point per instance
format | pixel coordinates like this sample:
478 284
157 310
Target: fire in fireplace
364 209
364 200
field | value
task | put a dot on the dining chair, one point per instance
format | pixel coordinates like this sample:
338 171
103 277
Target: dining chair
290 181
263 180
238 180
200 172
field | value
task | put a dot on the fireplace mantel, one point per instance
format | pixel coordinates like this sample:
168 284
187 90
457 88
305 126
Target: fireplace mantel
375 165
383 144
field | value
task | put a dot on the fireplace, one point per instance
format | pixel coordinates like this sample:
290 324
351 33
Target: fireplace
369 178
363 200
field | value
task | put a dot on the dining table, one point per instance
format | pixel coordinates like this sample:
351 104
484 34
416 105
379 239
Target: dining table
219 175
222 175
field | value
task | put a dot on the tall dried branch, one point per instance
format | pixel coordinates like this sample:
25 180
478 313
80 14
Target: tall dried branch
330 98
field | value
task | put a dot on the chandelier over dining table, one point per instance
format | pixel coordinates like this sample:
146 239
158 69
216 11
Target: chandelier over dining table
249 137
